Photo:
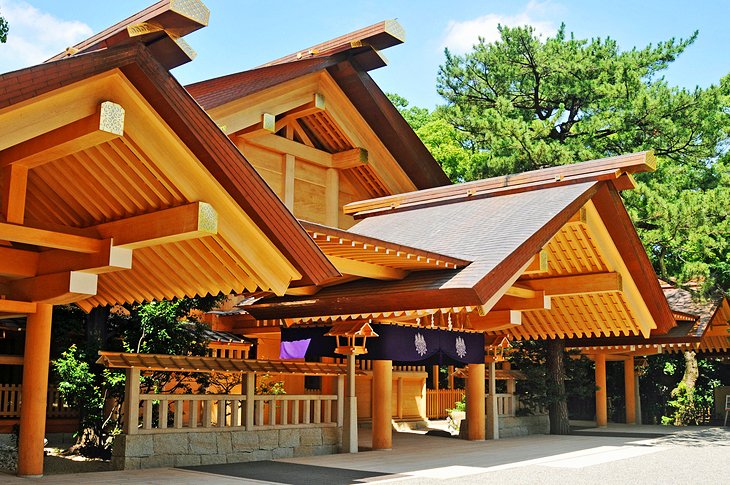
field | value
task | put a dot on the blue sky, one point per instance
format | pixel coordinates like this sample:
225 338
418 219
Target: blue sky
246 33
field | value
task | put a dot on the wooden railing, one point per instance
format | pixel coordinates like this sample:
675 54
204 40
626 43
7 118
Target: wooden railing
367 365
506 404
10 403
439 400
154 413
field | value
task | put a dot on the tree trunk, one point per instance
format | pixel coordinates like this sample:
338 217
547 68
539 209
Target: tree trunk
691 371
96 328
558 407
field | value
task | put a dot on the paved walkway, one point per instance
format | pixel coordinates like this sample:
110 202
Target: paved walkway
695 455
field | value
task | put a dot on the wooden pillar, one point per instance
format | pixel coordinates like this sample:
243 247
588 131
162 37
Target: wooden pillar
475 402
629 381
435 370
249 388
289 167
451 377
131 401
349 426
637 399
492 411
601 395
383 404
34 392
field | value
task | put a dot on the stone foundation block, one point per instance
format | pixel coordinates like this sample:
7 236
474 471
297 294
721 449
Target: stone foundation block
187 460
213 459
310 436
282 453
245 441
170 444
203 444
268 439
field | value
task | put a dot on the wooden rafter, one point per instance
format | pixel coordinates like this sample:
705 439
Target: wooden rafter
578 284
366 270
495 320
57 288
107 123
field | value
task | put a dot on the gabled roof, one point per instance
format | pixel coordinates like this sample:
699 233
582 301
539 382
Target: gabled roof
347 60
500 225
126 176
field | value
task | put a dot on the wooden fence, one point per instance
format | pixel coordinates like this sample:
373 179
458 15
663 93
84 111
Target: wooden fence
10 403
439 400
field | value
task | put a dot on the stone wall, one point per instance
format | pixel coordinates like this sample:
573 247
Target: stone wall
215 447
510 426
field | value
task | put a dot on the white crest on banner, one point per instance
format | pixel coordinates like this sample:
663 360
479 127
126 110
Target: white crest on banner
460 347
420 343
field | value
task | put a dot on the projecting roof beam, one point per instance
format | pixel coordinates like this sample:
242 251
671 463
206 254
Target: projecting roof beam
18 263
56 289
189 221
15 307
577 285
495 320
521 291
106 124
366 270
49 239
539 302
342 160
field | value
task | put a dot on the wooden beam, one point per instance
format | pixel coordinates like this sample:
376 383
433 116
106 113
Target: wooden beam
350 158
106 124
495 320
189 221
290 163
317 105
282 145
49 239
56 289
520 291
14 306
579 284
579 217
366 270
16 263
11 360
539 263
15 181
539 302
332 197
109 258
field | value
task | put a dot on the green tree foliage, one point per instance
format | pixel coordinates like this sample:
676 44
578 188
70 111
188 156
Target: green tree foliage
4 29
164 327
523 103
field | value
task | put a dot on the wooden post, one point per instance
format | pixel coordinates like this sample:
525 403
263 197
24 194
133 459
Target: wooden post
289 167
332 197
399 398
34 393
250 391
601 395
349 425
492 411
131 401
383 404
451 377
629 381
475 402
435 377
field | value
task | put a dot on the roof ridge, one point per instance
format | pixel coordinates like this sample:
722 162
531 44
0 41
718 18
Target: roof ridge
611 168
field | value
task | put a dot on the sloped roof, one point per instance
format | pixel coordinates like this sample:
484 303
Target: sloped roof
499 235
179 268
347 60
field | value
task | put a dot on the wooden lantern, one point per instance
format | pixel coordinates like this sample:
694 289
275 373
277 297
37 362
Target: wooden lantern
351 337
495 348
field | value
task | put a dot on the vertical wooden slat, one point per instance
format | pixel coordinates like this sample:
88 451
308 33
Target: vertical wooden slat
317 410
235 413
340 400
222 403
131 405
178 416
259 404
147 418
284 412
207 411
295 412
307 411
272 412
327 404
250 390
163 413
194 410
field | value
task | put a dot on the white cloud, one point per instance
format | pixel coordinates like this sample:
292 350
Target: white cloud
460 37
35 36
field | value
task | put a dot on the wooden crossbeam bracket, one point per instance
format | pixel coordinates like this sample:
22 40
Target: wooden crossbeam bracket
366 270
49 239
539 263
107 123
191 221
17 307
578 284
579 217
350 158
56 289
521 291
20 263
285 146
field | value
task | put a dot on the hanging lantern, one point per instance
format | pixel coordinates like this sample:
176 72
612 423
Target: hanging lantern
351 337
495 347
